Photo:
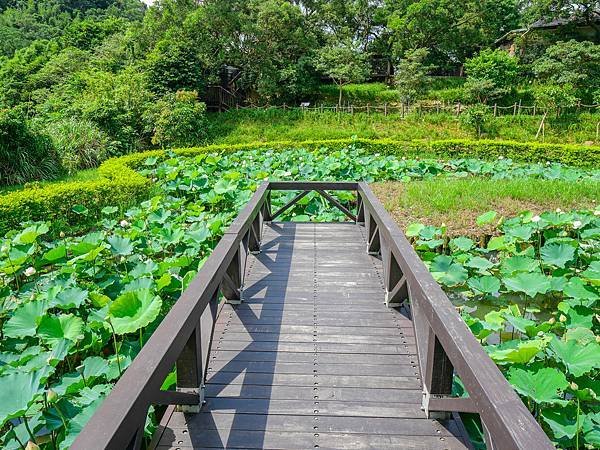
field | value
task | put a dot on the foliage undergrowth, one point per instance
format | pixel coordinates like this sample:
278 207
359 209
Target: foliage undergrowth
121 186
274 124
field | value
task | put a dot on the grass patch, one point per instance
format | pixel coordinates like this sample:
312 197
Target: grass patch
254 125
82 175
458 202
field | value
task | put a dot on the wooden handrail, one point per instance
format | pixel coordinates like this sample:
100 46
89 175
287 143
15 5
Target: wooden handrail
445 344
183 339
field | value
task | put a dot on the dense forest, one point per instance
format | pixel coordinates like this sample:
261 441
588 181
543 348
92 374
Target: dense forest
84 80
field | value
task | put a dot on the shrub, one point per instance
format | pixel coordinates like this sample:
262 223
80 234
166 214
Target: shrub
123 186
475 117
25 155
79 143
553 96
491 74
179 119
412 80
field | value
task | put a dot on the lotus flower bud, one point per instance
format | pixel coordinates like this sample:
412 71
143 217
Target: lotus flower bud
30 271
32 446
62 234
574 386
552 321
535 219
562 318
52 396
124 223
577 224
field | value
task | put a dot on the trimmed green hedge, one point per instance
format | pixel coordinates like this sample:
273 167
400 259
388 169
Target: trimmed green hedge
122 186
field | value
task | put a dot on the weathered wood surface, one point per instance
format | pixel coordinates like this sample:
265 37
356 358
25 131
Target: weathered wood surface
312 358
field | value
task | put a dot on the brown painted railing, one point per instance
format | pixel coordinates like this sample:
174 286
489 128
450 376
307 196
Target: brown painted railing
444 343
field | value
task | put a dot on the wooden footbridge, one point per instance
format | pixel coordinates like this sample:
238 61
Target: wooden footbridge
331 335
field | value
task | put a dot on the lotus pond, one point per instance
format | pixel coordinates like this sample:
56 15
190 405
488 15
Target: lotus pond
75 309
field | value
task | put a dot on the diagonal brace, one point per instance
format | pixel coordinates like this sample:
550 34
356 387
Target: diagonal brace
337 204
288 205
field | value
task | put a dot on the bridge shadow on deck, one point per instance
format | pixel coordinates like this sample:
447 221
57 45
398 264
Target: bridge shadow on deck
312 358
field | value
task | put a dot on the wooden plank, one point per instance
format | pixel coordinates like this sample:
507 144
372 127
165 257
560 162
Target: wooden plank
293 440
306 357
360 425
277 377
403 368
379 396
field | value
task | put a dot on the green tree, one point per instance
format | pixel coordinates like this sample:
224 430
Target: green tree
475 117
573 63
344 63
412 75
174 65
491 74
451 31
179 120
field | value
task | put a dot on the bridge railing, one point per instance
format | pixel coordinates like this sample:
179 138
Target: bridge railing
183 339
444 343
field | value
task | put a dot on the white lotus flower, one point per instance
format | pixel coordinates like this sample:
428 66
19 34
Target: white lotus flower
558 210
124 223
577 224
536 219
30 271
597 212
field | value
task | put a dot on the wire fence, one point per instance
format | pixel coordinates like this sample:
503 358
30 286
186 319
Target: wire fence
403 110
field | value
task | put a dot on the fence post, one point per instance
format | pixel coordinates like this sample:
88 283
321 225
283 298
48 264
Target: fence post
385 109
368 109
515 109
458 109
519 107
534 109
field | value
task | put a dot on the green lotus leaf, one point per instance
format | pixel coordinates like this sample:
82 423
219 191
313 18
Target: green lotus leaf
576 288
462 244
481 264
134 310
541 385
579 359
25 320
580 335
485 285
56 254
557 254
592 273
53 329
591 429
520 232
120 246
497 243
563 421
516 264
486 218
529 283
69 298
18 391
516 352
414 229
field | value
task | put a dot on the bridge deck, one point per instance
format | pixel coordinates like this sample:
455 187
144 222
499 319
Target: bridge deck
312 358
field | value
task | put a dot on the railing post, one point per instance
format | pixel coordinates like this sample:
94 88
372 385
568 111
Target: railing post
255 233
373 237
231 285
193 360
438 376
360 209
396 288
